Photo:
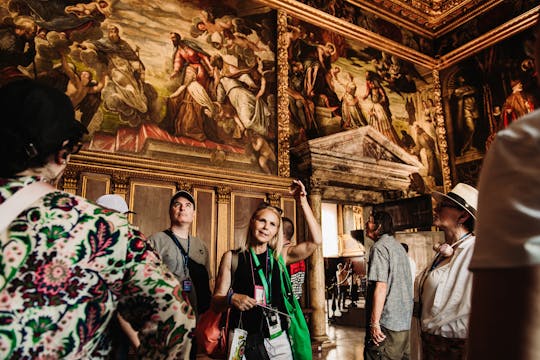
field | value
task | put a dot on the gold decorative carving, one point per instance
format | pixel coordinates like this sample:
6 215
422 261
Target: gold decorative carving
120 183
70 180
315 185
441 132
274 199
223 194
283 99
184 185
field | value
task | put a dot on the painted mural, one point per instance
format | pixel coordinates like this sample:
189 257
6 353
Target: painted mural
154 78
336 84
486 92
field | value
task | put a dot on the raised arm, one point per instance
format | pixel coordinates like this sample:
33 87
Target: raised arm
300 251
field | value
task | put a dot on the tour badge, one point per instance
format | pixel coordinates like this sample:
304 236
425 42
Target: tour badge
260 296
187 285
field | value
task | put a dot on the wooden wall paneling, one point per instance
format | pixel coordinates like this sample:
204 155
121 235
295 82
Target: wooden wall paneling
150 201
204 224
94 185
243 205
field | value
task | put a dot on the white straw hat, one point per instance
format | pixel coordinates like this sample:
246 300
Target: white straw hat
462 194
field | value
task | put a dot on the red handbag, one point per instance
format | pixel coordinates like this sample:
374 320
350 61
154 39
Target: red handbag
211 333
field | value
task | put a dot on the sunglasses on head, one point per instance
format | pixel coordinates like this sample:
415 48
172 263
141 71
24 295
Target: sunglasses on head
265 205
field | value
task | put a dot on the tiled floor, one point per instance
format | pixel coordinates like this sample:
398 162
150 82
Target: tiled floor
349 344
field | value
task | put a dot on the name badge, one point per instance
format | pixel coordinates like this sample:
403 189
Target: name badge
187 285
274 323
260 296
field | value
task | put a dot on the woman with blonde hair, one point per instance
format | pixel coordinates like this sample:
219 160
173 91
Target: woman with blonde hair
253 281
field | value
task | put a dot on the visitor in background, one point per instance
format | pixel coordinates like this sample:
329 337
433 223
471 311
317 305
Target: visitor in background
185 255
297 271
412 263
389 299
444 287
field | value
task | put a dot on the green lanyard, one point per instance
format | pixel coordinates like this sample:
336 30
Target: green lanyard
267 289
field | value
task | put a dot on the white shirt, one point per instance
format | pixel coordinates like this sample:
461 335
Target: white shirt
446 295
508 223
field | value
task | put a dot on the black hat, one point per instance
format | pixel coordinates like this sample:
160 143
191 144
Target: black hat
37 119
184 194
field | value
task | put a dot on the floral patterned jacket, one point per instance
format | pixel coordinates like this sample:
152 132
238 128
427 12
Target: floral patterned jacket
66 265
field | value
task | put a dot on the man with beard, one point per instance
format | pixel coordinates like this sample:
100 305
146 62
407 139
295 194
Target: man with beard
124 91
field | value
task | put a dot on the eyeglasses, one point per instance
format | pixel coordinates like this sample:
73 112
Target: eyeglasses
265 205
73 146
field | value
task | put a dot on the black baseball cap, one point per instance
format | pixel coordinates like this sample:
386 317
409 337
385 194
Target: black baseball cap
184 194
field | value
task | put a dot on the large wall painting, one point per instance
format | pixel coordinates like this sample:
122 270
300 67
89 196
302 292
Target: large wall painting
484 94
183 80
336 84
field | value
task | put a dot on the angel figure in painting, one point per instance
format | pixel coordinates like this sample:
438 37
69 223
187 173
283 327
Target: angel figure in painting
81 87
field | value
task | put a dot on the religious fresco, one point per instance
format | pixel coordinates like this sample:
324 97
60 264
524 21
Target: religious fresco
189 81
336 84
486 92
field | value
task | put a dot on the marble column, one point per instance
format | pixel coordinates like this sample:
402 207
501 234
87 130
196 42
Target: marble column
316 278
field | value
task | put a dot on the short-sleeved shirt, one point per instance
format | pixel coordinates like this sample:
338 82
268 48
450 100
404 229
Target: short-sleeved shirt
173 258
68 264
388 263
508 223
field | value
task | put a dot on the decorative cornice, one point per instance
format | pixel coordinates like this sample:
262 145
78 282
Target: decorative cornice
342 27
490 38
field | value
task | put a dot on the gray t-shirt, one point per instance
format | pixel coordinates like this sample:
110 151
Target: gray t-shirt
171 256
388 263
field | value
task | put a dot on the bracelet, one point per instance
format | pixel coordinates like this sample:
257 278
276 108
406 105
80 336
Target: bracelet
375 325
229 298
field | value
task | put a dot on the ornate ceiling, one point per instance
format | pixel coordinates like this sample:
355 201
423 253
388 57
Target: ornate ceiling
428 17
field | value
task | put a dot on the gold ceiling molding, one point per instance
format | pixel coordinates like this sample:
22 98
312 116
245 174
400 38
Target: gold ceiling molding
429 18
504 31
351 31
130 166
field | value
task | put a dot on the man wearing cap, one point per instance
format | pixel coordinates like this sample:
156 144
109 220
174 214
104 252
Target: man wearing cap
184 254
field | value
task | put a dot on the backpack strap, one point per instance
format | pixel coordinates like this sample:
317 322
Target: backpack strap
12 207
234 264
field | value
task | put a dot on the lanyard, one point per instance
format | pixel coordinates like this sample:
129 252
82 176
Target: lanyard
266 285
185 255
